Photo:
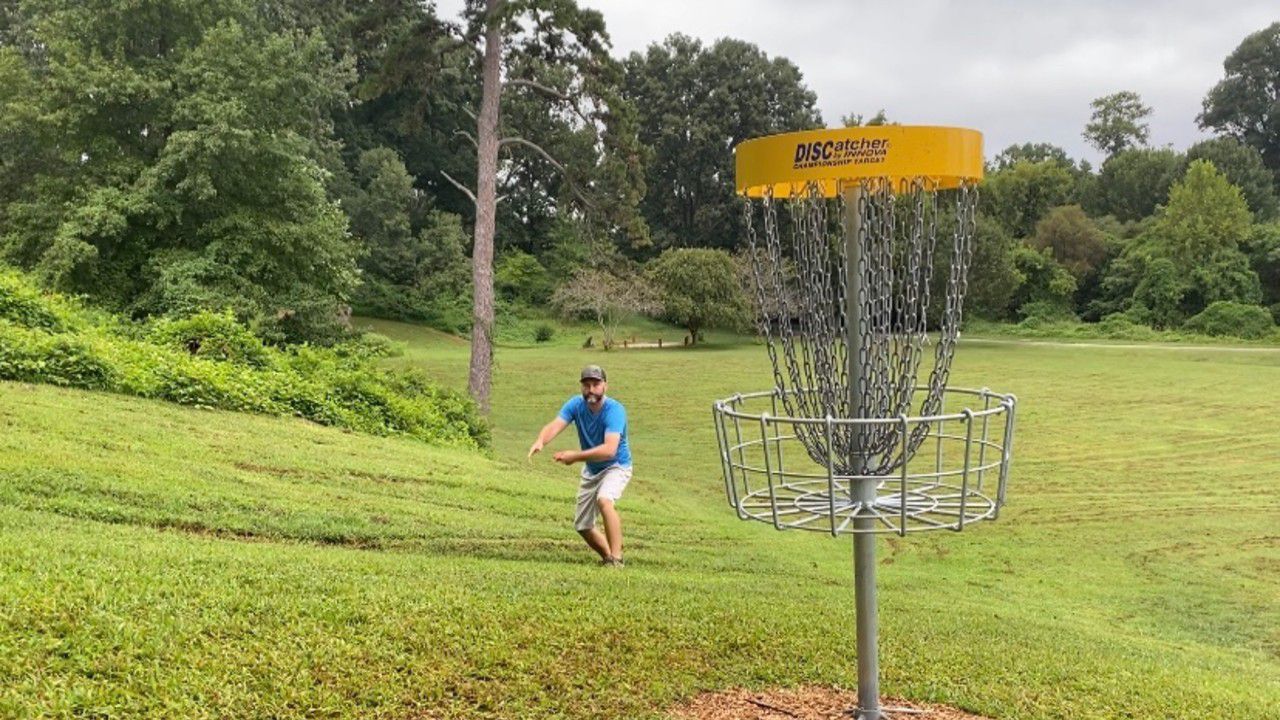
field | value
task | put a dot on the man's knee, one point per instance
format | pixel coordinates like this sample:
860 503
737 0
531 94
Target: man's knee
604 503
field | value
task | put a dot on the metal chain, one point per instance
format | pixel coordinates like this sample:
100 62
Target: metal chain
801 292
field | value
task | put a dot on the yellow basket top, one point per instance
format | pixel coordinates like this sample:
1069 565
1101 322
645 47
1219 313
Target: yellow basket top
785 163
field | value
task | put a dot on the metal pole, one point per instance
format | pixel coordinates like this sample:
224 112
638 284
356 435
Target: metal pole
864 488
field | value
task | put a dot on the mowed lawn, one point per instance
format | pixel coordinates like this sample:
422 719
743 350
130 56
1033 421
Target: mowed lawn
158 561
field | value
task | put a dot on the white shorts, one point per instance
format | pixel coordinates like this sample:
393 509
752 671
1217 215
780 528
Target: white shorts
607 484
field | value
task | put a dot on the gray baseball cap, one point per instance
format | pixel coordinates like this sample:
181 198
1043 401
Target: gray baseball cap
593 372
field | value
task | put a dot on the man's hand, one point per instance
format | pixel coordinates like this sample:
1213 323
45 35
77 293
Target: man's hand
566 457
534 449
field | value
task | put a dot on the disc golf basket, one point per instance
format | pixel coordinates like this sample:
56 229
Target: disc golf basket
860 241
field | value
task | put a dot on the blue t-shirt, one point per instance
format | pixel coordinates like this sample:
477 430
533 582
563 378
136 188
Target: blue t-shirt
592 427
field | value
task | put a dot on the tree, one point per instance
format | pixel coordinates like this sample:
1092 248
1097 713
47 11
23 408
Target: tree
1157 299
605 298
699 289
414 88
1032 153
993 276
1046 288
239 187
1244 104
1228 277
856 120
1018 196
1119 280
520 278
1133 183
1206 216
379 206
558 52
1190 255
1243 166
418 275
443 272
696 103
1073 240
1118 122
178 162
1263 249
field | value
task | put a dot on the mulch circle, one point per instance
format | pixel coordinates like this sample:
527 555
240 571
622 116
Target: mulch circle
805 703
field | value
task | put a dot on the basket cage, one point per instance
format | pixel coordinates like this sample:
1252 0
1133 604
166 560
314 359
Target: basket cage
956 474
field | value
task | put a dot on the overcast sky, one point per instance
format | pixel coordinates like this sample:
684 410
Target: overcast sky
1019 71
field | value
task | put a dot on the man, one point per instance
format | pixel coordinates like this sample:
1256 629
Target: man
602 434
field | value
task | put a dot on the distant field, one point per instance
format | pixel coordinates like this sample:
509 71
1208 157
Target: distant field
157 561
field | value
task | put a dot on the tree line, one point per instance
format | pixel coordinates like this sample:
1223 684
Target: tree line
293 160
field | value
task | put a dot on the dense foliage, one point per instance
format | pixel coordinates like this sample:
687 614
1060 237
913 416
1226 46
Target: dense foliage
211 360
296 161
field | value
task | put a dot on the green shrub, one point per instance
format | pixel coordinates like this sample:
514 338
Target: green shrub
1225 318
216 336
187 381
370 345
543 333
457 409
1046 311
24 305
1122 327
519 277
210 360
36 356
1033 322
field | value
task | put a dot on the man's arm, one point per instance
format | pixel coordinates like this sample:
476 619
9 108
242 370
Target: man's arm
547 434
606 450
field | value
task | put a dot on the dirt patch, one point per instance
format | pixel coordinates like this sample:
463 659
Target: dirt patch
806 703
267 470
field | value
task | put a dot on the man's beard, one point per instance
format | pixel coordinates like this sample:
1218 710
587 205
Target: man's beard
592 398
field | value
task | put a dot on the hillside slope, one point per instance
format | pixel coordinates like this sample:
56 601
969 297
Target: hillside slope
160 561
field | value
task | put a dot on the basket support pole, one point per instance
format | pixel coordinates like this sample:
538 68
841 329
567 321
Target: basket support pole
863 486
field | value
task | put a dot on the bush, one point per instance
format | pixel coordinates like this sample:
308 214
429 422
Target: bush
1120 326
1034 323
1045 311
187 381
209 360
39 357
440 411
370 345
519 277
216 336
443 311
543 333
25 306
1224 318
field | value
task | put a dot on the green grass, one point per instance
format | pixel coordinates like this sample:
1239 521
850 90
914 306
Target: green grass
1076 331
517 328
158 561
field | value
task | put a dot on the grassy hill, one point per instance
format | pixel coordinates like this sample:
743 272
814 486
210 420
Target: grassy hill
159 561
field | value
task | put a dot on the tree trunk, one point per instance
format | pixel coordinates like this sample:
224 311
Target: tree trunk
480 379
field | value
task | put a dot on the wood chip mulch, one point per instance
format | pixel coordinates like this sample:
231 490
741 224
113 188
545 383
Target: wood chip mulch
806 703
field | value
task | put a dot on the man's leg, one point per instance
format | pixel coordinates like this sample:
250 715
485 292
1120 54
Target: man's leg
597 542
585 518
612 527
611 486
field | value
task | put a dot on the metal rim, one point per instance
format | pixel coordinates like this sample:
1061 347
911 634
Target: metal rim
764 483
